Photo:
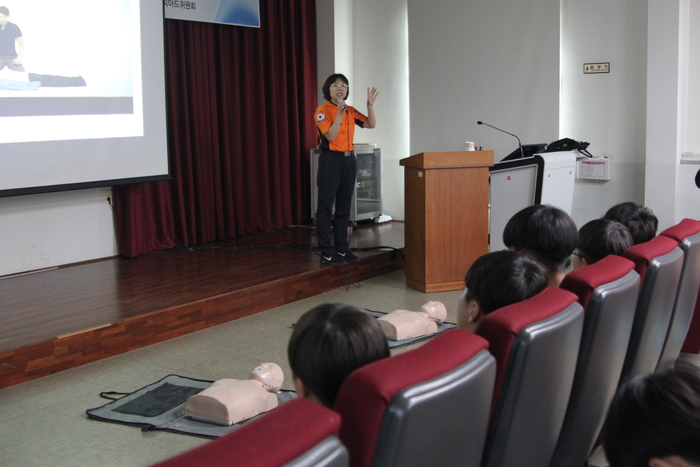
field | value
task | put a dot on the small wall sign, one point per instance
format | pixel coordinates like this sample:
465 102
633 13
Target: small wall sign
594 68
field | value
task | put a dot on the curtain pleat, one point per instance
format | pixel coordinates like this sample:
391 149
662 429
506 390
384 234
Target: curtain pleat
240 106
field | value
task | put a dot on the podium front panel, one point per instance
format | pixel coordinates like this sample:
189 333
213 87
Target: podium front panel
446 225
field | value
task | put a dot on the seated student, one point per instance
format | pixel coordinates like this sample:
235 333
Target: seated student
598 239
328 343
496 280
639 220
547 234
404 324
654 420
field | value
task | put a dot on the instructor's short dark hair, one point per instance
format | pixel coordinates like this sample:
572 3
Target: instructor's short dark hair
602 237
655 416
546 232
329 342
502 278
639 220
330 80
4 10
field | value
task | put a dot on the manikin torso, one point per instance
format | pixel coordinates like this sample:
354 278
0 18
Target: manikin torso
403 324
229 401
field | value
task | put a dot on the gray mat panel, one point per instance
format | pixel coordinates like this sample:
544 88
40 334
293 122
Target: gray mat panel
173 420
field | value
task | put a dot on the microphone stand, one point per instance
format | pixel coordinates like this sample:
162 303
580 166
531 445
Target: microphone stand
522 154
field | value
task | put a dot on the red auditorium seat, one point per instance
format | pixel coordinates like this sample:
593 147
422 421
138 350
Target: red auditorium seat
536 343
296 434
608 292
684 331
427 406
659 263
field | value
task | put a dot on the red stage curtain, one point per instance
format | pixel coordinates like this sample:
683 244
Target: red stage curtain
240 124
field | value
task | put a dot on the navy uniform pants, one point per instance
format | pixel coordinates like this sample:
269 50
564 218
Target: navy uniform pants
336 184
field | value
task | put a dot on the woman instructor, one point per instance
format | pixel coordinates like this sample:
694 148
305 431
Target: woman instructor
337 166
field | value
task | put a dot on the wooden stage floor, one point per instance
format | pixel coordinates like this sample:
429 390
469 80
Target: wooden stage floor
64 317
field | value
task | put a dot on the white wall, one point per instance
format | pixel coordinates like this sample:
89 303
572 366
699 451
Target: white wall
343 38
497 62
674 109
380 60
46 230
464 54
688 194
691 137
606 110
663 123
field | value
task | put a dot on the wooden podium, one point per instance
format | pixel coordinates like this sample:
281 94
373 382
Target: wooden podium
446 215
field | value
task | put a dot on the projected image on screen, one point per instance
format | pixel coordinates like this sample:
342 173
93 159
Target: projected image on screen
81 58
86 107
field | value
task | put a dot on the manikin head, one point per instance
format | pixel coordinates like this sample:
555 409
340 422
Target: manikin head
270 375
328 343
546 233
495 280
654 420
436 311
639 220
598 239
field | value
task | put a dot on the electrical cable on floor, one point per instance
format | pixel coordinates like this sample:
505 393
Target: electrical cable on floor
349 282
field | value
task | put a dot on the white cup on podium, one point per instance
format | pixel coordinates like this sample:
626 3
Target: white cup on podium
469 146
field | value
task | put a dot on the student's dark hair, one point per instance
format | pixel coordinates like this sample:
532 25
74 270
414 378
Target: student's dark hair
330 80
4 10
639 220
502 278
329 342
655 415
546 232
602 237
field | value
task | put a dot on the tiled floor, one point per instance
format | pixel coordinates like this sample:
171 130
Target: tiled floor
44 422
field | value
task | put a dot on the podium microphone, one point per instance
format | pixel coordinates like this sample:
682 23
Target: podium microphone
522 155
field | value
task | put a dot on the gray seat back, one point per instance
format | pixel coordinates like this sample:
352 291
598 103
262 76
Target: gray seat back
653 313
685 302
535 391
330 452
609 314
442 421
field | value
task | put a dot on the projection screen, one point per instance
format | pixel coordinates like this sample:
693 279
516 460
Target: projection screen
85 107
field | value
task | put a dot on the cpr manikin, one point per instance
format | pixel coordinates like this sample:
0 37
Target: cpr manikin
402 324
229 401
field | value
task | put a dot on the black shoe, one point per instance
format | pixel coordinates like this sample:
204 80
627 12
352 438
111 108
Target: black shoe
333 259
348 256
